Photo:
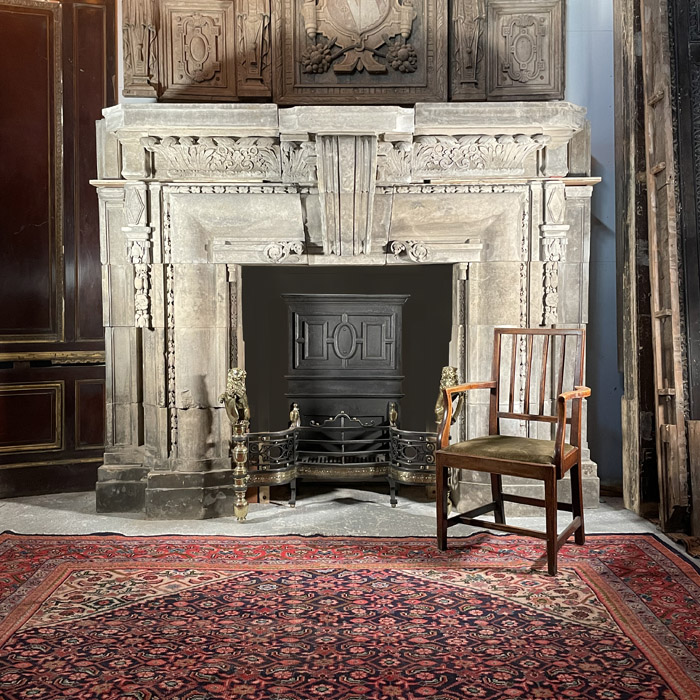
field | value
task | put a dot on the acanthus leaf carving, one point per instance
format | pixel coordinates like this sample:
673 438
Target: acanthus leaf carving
219 157
298 161
394 161
446 156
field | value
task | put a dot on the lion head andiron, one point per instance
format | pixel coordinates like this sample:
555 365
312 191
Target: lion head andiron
235 399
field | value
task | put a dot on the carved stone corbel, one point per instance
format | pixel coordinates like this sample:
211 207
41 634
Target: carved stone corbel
139 40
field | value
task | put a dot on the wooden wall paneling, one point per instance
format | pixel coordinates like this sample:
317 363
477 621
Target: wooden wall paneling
57 67
31 416
31 250
664 266
89 414
88 28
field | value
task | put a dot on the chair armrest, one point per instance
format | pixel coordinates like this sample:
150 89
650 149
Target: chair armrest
444 429
461 388
577 394
580 392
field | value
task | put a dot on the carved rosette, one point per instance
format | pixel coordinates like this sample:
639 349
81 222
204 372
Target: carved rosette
216 157
416 251
459 156
282 250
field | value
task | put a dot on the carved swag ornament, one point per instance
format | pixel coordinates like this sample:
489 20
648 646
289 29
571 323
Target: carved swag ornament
356 35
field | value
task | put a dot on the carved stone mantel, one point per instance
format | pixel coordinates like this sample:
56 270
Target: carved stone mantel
190 193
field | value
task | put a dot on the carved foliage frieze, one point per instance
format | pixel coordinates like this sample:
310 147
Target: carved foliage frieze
525 49
216 157
328 50
449 156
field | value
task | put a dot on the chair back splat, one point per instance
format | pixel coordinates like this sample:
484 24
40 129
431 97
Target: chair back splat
535 409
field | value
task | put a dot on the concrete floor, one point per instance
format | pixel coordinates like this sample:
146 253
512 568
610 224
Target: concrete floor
321 509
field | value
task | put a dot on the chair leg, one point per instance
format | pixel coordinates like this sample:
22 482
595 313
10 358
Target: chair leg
577 500
441 493
497 496
550 499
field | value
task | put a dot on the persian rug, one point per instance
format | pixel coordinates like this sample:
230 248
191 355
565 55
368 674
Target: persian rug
343 618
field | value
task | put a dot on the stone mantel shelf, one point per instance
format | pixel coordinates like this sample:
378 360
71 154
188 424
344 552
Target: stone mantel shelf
561 118
189 194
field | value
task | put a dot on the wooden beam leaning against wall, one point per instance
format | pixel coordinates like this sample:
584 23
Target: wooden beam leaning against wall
640 482
662 193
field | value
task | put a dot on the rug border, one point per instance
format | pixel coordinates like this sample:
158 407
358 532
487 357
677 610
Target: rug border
106 533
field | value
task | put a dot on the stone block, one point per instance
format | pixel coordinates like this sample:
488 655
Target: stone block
154 367
201 366
199 434
494 299
197 496
201 296
121 488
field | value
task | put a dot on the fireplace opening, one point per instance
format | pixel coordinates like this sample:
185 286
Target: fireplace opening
426 329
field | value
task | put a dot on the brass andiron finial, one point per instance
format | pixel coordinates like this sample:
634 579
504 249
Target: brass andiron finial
448 378
235 399
294 416
393 414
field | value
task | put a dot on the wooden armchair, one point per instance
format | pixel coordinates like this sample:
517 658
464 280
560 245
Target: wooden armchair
531 370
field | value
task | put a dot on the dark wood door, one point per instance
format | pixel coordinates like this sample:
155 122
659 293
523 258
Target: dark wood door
56 74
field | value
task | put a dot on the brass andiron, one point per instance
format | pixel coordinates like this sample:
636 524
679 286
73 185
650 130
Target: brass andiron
235 399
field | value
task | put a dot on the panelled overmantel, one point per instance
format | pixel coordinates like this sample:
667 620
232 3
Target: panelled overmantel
190 193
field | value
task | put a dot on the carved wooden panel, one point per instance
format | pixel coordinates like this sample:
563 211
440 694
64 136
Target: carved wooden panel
468 44
378 51
525 49
214 49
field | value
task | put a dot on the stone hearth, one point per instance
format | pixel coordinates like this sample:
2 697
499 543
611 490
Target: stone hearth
190 193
